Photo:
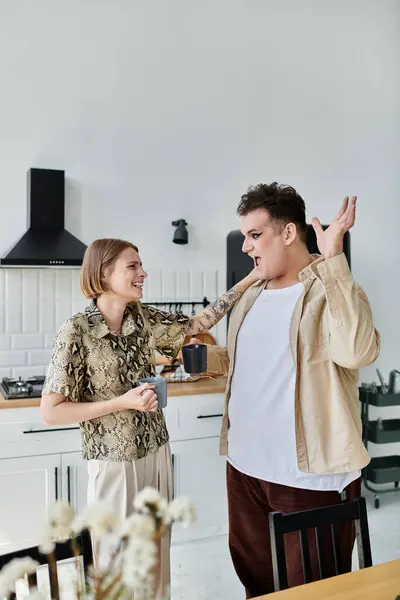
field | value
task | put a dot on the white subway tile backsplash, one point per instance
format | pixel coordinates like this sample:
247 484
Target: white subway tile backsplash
47 312
13 301
64 285
182 285
76 288
47 280
168 285
5 342
79 305
30 292
63 311
153 285
39 357
49 340
196 285
24 341
210 285
35 302
11 358
26 372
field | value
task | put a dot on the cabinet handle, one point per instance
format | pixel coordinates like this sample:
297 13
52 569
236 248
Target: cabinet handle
209 416
69 484
51 430
56 481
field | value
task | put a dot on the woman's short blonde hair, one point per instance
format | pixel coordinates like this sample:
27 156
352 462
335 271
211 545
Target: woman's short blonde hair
100 255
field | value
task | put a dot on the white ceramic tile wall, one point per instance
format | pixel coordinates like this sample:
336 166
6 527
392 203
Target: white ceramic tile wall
35 302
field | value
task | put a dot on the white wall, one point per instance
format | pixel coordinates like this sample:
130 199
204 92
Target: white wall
159 110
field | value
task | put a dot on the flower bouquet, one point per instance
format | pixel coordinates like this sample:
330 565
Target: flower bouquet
132 570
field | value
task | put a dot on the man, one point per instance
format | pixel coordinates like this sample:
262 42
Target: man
291 429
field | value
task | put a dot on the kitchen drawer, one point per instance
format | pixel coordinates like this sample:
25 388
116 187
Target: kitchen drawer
30 438
171 415
199 416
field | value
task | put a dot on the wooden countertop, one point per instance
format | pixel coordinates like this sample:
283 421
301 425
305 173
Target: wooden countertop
202 386
376 583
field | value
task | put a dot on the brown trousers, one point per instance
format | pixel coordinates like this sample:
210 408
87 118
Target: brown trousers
250 501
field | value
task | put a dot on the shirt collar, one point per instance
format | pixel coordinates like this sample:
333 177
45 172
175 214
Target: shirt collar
98 326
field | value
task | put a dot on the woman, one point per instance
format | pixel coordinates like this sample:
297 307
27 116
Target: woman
98 358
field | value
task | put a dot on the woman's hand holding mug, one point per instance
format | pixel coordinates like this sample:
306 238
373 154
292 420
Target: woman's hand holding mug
140 398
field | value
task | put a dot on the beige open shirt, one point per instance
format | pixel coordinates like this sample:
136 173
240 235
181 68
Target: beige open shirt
332 335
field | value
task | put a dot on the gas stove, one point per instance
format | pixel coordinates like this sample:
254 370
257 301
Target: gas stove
13 389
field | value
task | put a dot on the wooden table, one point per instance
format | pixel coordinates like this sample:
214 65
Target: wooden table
376 583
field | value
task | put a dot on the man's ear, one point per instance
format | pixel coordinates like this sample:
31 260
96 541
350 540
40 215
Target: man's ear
290 234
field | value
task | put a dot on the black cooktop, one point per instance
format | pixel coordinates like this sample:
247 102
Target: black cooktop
13 389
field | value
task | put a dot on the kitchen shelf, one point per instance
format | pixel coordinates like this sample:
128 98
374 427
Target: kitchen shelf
388 432
380 399
383 469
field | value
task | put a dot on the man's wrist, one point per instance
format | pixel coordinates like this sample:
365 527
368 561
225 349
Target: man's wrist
332 252
329 255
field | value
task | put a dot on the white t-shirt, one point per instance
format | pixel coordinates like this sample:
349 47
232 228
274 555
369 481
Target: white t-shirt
262 440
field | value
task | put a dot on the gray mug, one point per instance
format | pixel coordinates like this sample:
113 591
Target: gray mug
160 389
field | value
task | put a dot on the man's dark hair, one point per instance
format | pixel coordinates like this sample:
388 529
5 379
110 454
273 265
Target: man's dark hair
283 204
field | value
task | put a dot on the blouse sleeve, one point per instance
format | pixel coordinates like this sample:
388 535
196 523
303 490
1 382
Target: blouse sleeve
168 330
66 369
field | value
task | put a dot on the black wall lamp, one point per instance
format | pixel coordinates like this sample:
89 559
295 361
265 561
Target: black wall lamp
181 233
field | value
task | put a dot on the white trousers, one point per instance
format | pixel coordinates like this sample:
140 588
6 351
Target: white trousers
117 483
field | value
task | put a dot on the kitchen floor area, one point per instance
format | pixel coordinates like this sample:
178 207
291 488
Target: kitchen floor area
203 570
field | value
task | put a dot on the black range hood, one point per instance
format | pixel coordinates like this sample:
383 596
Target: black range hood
46 243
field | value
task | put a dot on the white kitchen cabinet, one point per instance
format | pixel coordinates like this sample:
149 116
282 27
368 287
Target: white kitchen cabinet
28 485
39 463
74 472
199 474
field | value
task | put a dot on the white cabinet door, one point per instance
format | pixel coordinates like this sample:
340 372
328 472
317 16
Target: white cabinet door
74 479
199 474
27 486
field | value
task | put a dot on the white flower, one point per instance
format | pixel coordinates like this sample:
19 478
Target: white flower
182 510
99 519
46 545
147 500
140 556
4 587
138 525
162 511
13 571
59 521
145 589
36 594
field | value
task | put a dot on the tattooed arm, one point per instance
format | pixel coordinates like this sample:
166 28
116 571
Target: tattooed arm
216 311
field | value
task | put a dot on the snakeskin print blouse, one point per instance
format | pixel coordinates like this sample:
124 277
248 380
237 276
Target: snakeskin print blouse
89 365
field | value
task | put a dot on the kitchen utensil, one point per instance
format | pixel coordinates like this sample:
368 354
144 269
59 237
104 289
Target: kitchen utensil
394 382
195 358
384 387
160 389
